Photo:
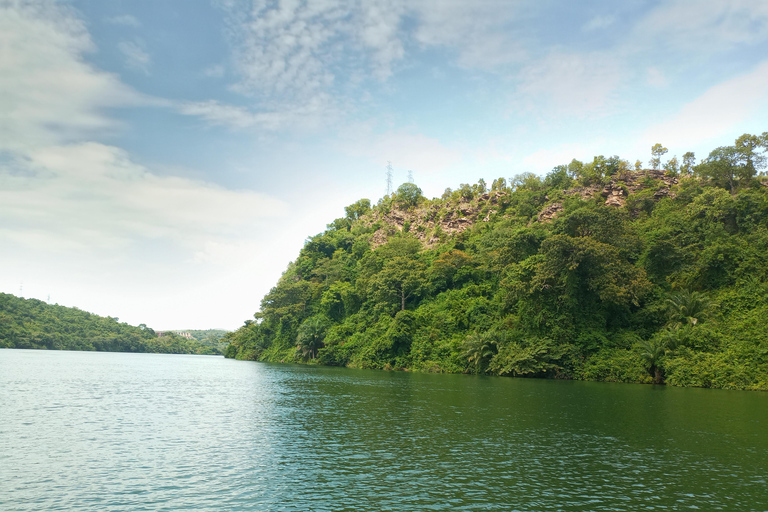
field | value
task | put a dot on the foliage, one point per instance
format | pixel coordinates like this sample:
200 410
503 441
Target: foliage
408 195
31 323
668 288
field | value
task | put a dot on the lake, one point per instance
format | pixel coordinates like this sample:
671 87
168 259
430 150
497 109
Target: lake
92 431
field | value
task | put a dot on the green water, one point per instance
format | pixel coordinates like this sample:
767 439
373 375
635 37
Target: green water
127 432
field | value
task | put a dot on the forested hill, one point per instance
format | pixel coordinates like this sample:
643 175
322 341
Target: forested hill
31 323
597 271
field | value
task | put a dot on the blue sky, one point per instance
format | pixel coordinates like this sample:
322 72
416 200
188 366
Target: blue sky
163 161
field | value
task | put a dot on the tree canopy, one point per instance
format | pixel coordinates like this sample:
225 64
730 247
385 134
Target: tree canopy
598 271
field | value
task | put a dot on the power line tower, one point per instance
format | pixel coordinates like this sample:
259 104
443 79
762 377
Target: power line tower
410 176
389 177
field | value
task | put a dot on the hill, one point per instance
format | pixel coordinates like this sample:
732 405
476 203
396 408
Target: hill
597 271
32 323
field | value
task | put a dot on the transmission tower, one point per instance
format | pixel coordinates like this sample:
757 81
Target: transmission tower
410 176
389 177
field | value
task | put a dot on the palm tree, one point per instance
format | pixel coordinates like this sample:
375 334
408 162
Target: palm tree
310 337
688 308
652 351
479 349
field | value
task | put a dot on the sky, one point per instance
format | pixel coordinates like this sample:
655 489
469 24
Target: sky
163 162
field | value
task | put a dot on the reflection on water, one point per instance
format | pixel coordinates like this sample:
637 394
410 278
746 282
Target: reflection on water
126 432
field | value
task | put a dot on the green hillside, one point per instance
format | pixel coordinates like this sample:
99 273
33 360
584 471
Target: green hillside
32 323
597 271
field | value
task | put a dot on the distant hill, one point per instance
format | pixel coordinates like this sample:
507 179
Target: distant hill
32 323
206 337
597 271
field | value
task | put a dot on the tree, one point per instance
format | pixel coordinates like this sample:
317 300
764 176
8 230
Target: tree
720 167
526 181
687 308
673 166
533 356
311 335
731 166
448 264
575 168
657 150
358 209
400 279
408 195
652 352
689 161
746 156
479 349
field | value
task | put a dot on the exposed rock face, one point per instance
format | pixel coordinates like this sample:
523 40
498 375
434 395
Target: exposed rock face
614 197
424 221
620 186
617 190
550 212
584 192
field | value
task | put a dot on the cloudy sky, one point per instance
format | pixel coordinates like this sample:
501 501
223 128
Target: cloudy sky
162 162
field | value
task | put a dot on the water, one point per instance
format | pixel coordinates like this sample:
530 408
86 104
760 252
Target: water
128 432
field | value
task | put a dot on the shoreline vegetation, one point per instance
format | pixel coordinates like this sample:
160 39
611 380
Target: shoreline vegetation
603 271
32 323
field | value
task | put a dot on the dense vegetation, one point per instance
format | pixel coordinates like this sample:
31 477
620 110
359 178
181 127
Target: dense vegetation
210 337
598 271
31 323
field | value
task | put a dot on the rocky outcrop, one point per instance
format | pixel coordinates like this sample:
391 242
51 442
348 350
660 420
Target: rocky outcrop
550 212
621 186
618 189
425 222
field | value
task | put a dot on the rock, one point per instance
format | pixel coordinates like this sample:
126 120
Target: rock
550 212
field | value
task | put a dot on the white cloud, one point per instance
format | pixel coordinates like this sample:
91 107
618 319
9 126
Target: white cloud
656 78
125 20
723 109
406 150
292 49
572 83
598 23
84 221
310 114
287 48
482 33
690 26
136 57
224 115
48 93
215 71
93 195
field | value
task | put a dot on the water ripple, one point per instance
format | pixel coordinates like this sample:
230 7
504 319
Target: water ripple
133 432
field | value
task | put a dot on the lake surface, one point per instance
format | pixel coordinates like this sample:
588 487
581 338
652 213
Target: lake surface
91 431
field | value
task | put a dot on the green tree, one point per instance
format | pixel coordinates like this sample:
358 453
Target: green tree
657 151
689 162
408 195
479 349
400 279
672 166
357 209
533 356
687 308
721 168
747 158
652 352
311 335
